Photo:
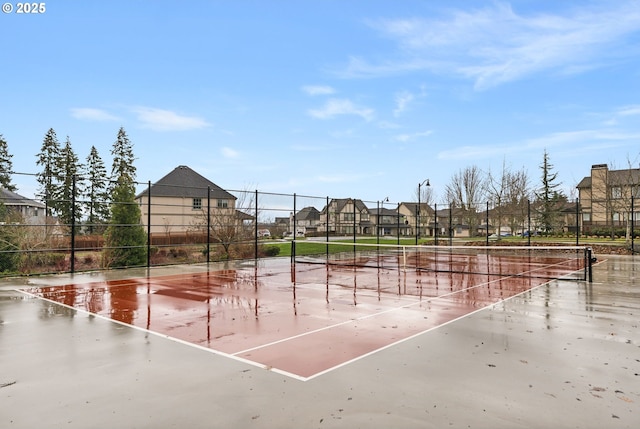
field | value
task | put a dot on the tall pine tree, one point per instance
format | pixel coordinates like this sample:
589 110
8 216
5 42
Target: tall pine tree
96 194
123 159
549 197
49 177
6 166
125 237
69 203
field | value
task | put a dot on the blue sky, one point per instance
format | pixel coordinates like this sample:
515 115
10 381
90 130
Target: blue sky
360 99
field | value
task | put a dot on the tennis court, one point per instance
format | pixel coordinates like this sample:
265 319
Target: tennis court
303 319
384 342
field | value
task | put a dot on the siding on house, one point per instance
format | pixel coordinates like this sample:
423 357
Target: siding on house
180 199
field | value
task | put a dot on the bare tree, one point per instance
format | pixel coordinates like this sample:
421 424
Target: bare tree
497 188
425 196
623 186
467 190
519 193
227 225
509 191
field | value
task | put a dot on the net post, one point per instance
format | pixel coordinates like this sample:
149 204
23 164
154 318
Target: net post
255 232
589 265
404 259
73 224
293 250
327 231
149 224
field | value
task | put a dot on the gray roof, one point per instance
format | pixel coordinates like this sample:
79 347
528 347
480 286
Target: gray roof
308 213
12 199
342 202
185 183
629 176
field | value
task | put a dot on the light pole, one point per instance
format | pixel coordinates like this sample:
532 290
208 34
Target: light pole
378 220
424 182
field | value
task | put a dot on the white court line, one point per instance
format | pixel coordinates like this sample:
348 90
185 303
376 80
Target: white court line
390 310
167 337
235 356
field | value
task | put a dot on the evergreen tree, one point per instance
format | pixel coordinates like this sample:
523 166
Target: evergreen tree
6 166
49 177
97 197
9 255
123 159
125 237
549 197
69 203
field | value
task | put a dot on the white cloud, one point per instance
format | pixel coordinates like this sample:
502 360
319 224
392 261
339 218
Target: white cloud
227 152
308 147
582 141
629 111
335 107
494 45
90 114
386 125
318 90
402 99
410 137
166 120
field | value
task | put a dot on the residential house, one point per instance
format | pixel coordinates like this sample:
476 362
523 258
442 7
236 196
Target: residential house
607 196
387 222
180 201
451 222
416 222
345 216
306 221
31 211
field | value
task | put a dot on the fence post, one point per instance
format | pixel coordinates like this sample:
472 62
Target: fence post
293 241
577 221
73 223
529 222
590 265
255 222
398 217
486 215
450 224
208 224
327 230
148 223
435 232
633 219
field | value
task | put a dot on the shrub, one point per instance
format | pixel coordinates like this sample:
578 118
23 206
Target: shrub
270 250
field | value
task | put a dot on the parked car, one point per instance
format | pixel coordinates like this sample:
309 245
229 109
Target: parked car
264 233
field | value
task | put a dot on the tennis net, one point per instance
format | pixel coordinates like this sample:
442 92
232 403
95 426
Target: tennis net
546 262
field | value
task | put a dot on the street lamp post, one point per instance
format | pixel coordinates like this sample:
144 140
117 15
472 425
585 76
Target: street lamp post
378 219
424 182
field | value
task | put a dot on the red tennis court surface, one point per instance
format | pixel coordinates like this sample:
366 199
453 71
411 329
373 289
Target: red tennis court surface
300 320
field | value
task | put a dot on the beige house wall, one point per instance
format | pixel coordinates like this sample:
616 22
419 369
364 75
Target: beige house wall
176 214
599 193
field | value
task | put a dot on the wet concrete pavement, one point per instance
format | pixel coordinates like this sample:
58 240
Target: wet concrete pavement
565 354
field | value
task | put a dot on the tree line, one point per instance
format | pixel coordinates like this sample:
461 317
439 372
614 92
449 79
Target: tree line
509 192
73 191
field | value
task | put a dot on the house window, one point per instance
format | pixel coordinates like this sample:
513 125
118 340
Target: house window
586 217
223 204
197 204
348 217
364 216
616 192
